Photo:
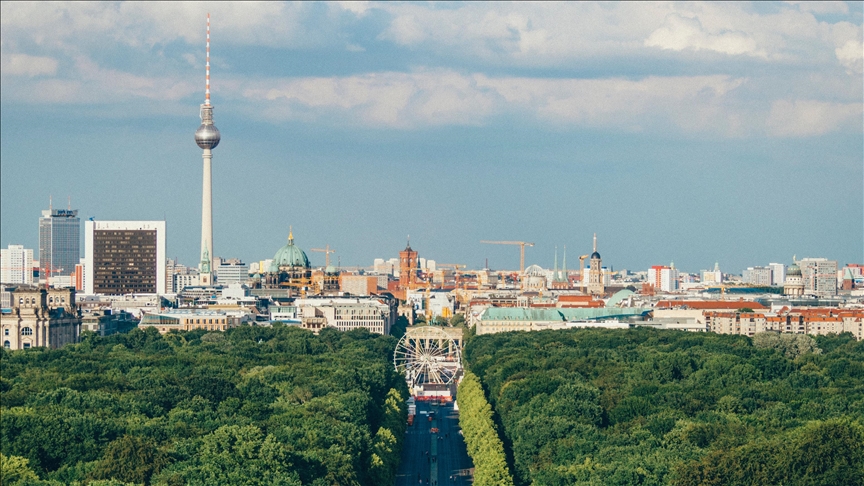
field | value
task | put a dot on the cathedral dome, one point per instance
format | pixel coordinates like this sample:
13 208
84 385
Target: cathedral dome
289 256
595 256
793 270
534 271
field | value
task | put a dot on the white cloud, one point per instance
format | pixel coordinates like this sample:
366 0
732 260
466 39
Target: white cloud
680 33
822 7
805 118
24 65
851 56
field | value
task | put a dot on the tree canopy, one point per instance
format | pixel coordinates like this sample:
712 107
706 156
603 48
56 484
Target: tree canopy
650 407
251 406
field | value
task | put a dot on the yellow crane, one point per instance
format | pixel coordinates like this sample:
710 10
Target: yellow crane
327 251
582 272
522 245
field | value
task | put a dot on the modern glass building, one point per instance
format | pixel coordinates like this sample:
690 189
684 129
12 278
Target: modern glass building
59 242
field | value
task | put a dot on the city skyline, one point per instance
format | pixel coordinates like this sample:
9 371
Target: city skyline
360 123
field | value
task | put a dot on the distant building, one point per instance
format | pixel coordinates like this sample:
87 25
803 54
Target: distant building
125 257
757 276
232 271
359 284
290 268
596 284
59 242
192 319
778 274
346 314
40 317
712 276
408 267
793 284
820 276
16 265
663 278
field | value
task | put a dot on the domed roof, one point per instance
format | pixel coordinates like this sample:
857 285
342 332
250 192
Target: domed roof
534 271
330 270
793 270
595 255
289 256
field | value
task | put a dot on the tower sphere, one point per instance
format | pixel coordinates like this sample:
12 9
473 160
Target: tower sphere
207 136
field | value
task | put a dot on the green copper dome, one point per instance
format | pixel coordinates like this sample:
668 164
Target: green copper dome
289 256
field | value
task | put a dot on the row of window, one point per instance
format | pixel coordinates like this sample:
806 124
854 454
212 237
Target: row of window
8 345
25 331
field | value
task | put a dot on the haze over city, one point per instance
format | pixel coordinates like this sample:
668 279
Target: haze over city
695 132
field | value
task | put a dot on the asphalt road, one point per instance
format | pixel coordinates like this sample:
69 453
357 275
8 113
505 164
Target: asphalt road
434 459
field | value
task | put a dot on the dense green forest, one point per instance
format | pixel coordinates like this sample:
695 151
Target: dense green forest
649 407
253 405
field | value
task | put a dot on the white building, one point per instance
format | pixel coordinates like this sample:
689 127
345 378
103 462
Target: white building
16 265
712 276
757 276
663 278
125 257
778 273
232 271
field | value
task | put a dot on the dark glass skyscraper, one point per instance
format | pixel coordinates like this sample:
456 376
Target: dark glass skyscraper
59 242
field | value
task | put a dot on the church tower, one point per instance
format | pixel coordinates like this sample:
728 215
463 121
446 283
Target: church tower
595 273
408 265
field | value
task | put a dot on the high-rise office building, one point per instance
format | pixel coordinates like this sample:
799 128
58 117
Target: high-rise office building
59 242
16 265
125 257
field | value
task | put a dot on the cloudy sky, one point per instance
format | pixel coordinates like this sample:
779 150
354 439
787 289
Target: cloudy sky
685 132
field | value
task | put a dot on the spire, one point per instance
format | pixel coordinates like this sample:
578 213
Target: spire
595 241
290 235
69 207
564 264
50 203
207 68
555 276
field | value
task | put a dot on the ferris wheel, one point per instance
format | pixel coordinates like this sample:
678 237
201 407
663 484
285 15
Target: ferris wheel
427 355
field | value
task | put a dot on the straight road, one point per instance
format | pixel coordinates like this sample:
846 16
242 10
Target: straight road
434 458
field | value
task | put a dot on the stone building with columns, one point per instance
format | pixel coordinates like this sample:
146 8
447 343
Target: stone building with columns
40 317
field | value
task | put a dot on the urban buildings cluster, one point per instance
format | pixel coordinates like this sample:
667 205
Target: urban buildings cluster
124 278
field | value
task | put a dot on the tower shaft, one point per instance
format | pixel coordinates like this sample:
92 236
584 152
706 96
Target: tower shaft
207 206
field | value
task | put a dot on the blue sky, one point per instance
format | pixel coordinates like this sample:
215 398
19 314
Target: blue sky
693 132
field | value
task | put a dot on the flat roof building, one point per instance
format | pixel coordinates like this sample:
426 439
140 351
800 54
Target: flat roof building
125 257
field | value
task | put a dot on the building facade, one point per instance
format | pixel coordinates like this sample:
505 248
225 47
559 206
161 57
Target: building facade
820 276
125 257
59 242
663 278
40 317
346 314
757 276
232 271
192 319
16 265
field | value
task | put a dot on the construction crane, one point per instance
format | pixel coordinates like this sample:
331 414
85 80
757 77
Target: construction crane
326 251
522 245
582 272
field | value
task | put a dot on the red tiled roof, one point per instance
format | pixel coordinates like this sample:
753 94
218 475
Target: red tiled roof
709 304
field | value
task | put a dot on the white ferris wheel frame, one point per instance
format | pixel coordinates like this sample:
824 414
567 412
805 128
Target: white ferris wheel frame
422 358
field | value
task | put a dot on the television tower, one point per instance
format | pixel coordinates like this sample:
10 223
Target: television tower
207 137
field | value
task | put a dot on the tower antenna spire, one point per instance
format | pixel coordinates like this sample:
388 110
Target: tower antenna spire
595 241
207 68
